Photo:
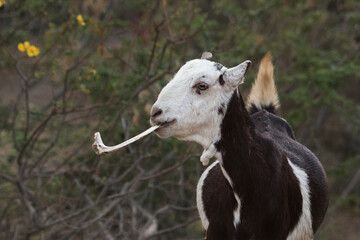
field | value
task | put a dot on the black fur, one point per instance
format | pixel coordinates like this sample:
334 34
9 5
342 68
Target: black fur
270 108
218 66
221 80
254 151
221 109
219 195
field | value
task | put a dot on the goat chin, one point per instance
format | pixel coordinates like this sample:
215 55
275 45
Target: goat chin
164 132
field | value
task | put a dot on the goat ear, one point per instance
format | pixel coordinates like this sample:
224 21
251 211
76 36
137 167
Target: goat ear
236 75
206 55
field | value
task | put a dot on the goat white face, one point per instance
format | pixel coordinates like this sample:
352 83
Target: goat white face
192 105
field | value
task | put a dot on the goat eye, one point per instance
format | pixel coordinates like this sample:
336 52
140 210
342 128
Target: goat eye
202 86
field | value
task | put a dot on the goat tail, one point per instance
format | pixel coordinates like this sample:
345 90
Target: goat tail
263 94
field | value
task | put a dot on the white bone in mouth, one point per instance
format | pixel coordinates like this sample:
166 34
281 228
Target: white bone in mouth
100 148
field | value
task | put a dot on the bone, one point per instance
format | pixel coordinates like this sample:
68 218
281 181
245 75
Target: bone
100 148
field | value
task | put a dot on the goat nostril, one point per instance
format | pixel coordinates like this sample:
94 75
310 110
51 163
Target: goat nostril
156 112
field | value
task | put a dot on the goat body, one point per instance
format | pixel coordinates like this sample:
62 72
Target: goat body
261 158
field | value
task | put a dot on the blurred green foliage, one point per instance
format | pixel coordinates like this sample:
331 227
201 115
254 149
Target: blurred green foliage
106 74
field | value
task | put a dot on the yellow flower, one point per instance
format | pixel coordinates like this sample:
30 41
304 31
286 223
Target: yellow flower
80 20
21 47
31 50
2 2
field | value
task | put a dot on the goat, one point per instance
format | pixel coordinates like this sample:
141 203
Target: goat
264 184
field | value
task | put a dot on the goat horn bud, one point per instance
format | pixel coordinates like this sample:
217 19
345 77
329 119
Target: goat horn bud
206 55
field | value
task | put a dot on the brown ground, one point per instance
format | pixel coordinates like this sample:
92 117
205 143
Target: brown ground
343 225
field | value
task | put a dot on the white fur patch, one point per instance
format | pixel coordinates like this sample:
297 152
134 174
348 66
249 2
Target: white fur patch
199 200
236 212
303 229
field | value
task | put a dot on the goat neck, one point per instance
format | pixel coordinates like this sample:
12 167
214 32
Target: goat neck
235 146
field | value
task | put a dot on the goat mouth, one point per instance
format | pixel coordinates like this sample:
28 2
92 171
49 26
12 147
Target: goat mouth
167 123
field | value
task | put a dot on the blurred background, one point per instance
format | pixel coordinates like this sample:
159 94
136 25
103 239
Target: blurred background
70 68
